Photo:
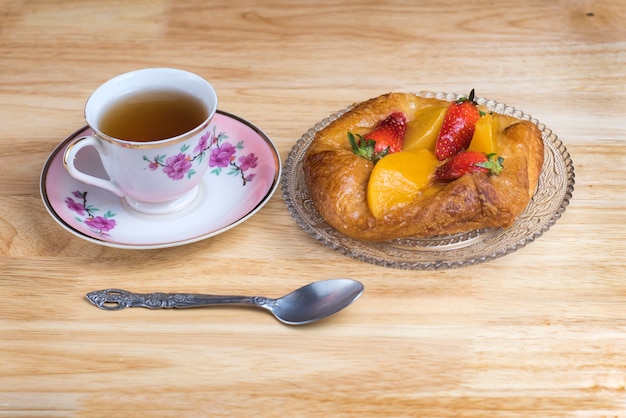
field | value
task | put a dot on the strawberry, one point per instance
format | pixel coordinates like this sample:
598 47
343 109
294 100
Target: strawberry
389 133
385 138
457 128
468 162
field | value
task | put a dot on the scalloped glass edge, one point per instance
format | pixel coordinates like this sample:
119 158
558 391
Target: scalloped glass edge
554 191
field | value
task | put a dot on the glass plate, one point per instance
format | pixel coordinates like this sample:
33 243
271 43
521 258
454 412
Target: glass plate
554 191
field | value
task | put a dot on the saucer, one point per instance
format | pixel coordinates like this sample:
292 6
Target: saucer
239 182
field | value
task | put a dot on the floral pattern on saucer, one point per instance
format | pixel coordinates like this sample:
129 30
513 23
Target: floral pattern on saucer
101 225
224 155
246 172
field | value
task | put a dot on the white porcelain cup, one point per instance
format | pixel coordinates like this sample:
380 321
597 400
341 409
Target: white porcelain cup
156 176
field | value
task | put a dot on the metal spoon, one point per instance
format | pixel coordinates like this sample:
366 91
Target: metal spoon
310 303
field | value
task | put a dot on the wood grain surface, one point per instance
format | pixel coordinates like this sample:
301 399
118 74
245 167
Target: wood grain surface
539 332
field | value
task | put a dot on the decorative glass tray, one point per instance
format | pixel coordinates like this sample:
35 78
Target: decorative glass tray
554 190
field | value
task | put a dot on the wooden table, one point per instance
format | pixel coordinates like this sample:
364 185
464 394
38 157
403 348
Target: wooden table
539 332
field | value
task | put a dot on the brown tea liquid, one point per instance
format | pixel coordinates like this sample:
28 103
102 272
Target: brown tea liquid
152 115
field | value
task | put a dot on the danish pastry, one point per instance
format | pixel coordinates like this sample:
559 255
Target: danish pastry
377 193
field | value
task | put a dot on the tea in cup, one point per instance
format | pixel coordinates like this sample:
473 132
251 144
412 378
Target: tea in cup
151 130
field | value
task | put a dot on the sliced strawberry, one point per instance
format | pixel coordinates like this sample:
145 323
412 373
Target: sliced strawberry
468 162
389 133
458 127
386 138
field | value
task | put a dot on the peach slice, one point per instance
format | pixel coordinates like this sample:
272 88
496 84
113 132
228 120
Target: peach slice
398 178
421 132
484 139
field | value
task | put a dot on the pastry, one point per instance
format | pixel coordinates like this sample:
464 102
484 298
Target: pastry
380 192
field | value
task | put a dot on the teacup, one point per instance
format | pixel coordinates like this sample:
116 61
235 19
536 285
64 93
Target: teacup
151 131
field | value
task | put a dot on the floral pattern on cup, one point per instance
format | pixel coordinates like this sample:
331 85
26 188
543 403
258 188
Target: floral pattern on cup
86 214
224 155
180 165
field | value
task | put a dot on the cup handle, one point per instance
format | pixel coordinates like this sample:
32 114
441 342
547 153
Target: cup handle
70 156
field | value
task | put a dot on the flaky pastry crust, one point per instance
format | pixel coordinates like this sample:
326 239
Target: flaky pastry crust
337 179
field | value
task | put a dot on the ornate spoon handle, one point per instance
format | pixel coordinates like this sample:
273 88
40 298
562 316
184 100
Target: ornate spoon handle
116 299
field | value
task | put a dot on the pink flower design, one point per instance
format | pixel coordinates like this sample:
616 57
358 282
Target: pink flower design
177 166
100 223
222 155
203 144
75 206
248 161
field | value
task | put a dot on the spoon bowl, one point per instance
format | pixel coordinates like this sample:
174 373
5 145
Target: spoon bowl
310 303
315 301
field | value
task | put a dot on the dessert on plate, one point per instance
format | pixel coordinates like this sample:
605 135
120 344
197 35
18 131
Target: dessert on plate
400 165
